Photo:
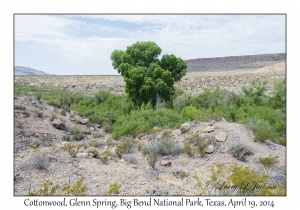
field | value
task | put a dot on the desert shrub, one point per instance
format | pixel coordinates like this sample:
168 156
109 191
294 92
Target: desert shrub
39 161
189 113
113 189
242 175
263 135
78 189
105 155
125 147
94 151
188 150
25 113
77 133
53 117
152 156
245 180
95 143
199 186
97 135
39 114
39 94
269 161
107 127
20 125
66 138
240 151
183 174
200 145
35 144
73 148
130 158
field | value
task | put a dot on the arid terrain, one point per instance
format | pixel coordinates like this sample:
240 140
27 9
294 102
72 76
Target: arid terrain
136 178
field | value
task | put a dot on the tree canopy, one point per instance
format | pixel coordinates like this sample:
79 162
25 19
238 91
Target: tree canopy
147 77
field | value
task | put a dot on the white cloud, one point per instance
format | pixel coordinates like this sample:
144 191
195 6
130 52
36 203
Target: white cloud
186 36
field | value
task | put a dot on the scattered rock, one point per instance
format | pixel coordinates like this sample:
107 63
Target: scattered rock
84 121
82 155
221 137
92 128
57 123
210 149
208 129
165 163
185 127
62 112
270 143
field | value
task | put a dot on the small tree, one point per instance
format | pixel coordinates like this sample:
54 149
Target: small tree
147 77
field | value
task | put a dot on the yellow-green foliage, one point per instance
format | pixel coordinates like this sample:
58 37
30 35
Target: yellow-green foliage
242 180
94 151
113 189
269 161
246 179
199 186
77 189
105 155
263 135
73 148
107 127
195 143
125 147
53 117
183 174
45 190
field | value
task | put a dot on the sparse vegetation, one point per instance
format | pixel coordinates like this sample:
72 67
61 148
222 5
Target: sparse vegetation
53 117
39 161
94 151
240 151
113 189
97 135
73 148
269 161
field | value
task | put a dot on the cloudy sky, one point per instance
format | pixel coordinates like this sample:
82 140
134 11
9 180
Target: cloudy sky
82 44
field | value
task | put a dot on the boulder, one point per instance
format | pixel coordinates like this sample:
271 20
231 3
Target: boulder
185 127
87 132
211 123
208 129
92 128
57 123
210 149
221 137
82 155
166 163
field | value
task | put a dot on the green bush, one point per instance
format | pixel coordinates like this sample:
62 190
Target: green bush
269 161
94 151
143 121
73 148
263 135
240 151
189 113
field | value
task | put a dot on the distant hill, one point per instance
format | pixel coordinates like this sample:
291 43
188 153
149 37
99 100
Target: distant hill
234 62
20 70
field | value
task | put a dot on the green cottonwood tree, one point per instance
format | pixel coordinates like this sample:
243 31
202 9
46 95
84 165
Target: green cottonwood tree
147 77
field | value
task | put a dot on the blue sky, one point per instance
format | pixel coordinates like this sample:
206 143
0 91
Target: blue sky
82 44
